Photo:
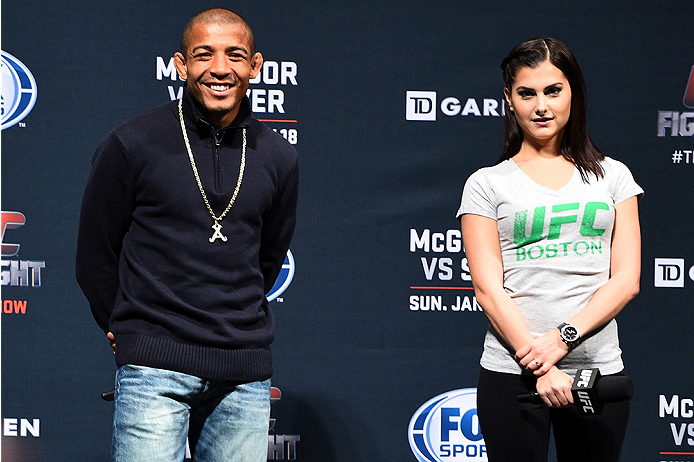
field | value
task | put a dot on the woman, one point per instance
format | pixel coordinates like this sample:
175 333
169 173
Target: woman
552 238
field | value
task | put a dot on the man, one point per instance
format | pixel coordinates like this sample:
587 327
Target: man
186 220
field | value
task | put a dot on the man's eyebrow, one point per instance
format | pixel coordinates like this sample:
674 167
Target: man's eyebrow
237 48
201 47
227 50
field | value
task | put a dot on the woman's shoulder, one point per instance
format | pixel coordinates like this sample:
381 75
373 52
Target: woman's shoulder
612 165
501 169
620 179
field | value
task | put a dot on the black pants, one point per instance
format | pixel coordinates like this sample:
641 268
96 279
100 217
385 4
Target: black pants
518 432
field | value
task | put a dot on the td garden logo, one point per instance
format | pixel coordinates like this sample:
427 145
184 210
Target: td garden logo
446 428
422 106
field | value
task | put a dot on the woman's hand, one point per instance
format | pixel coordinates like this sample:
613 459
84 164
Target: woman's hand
540 355
555 388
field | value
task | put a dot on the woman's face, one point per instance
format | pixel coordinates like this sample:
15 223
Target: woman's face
541 101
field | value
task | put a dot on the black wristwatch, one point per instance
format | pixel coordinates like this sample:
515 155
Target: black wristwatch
569 334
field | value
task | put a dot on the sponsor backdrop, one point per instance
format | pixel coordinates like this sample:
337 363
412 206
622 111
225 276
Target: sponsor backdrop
391 105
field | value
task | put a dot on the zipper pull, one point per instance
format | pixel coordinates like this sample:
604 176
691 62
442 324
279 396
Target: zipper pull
218 135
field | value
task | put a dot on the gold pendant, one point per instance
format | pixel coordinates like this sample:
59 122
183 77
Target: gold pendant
217 233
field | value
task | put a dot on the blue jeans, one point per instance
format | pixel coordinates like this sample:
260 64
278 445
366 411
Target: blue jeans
155 410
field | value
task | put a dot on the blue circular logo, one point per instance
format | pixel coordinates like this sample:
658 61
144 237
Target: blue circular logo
446 428
18 90
284 279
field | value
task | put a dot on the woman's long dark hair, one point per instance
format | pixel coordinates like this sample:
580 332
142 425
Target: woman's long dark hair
576 145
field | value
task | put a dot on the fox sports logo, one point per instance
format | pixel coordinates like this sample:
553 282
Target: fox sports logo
18 90
446 428
284 279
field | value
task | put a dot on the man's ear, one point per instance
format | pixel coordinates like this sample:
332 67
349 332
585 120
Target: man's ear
256 64
180 64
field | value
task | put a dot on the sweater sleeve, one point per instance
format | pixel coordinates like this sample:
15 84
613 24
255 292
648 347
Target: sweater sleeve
278 227
104 221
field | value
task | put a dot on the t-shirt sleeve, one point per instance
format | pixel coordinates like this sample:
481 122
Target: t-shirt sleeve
624 186
478 197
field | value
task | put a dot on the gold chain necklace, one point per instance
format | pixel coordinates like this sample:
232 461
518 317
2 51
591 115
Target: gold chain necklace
216 226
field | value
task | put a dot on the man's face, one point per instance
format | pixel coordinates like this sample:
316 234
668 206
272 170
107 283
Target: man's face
217 69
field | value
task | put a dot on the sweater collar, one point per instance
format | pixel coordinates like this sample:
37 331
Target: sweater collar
243 118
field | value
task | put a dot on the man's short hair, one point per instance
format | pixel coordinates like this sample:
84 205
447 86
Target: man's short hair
216 16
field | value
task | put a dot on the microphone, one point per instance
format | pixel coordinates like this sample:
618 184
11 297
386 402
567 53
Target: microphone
591 391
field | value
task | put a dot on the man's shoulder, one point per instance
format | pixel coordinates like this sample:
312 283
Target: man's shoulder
162 116
271 142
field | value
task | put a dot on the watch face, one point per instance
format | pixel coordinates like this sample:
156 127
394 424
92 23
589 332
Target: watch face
570 333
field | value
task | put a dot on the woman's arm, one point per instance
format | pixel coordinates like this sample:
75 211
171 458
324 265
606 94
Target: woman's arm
625 271
482 249
483 252
610 299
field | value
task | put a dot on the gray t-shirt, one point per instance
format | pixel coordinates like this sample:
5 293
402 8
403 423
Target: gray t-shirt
555 249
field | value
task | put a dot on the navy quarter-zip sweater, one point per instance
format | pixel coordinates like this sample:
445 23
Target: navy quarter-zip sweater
172 299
